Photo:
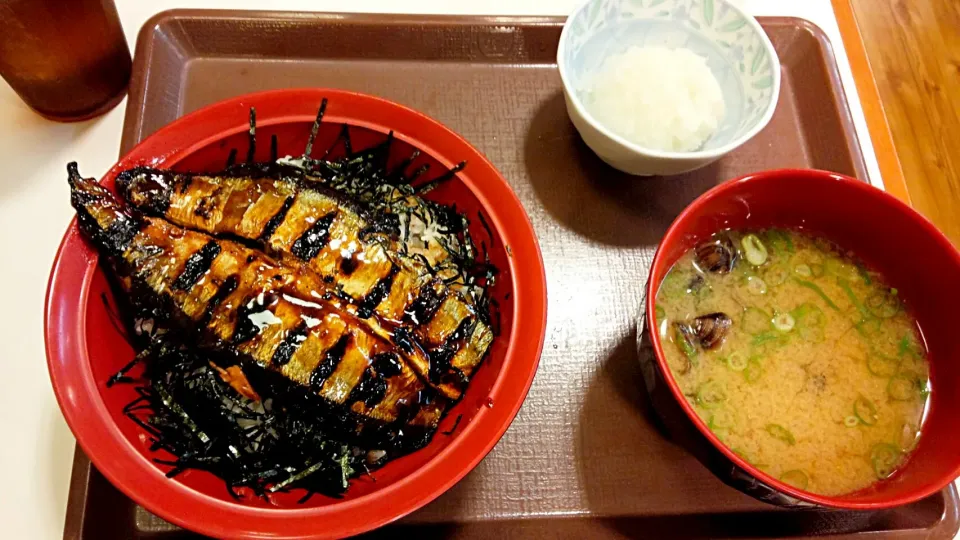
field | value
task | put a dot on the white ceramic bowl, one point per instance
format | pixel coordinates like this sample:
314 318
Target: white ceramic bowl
737 50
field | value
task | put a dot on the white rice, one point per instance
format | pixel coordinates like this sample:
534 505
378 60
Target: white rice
657 98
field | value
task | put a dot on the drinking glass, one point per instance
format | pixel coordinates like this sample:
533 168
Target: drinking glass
67 59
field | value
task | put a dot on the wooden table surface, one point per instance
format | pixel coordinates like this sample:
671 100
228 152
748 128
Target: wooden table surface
913 49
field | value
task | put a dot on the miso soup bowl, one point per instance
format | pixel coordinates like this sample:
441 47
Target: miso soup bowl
887 235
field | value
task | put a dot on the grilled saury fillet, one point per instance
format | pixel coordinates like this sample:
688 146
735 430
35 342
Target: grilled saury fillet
308 225
245 306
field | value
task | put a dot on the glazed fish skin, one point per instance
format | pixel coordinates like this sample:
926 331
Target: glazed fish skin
313 226
248 306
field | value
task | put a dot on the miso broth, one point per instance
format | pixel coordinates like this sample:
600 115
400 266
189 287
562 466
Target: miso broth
801 360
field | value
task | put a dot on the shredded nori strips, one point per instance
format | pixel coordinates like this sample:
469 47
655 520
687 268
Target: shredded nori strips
287 441
292 438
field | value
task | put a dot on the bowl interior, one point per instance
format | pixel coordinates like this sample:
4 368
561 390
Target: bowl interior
737 52
888 236
108 351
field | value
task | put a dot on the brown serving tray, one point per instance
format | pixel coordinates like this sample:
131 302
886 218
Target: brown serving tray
584 458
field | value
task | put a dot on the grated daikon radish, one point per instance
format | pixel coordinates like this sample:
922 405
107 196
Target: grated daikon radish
657 98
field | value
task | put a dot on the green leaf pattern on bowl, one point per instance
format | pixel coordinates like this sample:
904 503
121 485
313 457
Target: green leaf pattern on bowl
713 20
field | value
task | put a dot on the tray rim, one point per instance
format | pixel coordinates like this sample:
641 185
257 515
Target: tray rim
133 128
143 52
133 133
876 129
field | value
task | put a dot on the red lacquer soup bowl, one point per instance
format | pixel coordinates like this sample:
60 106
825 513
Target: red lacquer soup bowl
887 235
85 348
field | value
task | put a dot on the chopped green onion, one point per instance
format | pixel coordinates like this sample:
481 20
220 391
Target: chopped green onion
909 435
816 288
906 346
746 270
753 249
789 241
802 270
851 421
778 238
881 366
719 419
779 432
674 284
885 345
813 334
869 328
660 320
753 371
865 411
709 395
841 269
768 342
903 347
776 275
687 348
755 320
885 458
884 305
904 386
809 314
810 322
783 322
765 337
845 285
795 478
864 274
737 361
756 285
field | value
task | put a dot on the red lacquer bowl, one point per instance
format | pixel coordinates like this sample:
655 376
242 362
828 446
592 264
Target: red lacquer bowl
84 349
888 235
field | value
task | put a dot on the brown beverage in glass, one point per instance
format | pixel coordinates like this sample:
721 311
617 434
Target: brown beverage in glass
68 59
